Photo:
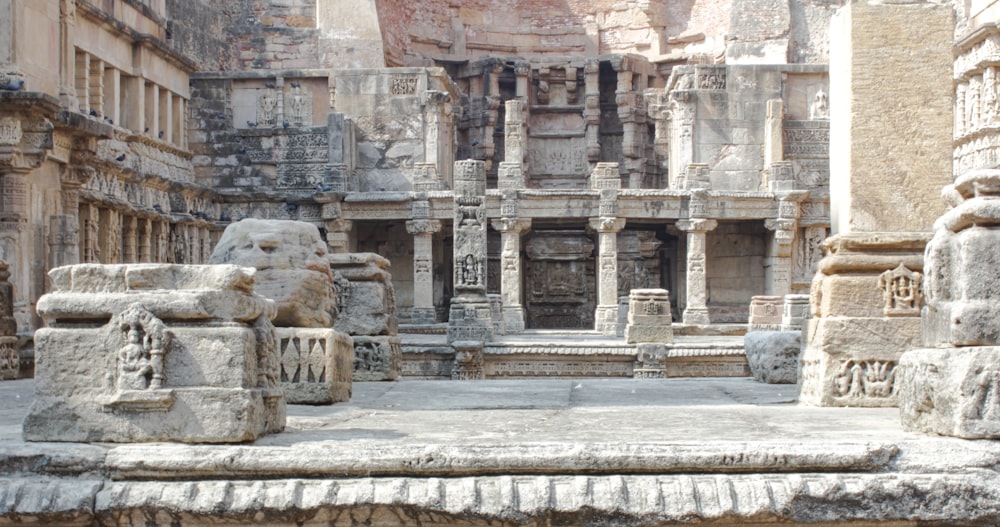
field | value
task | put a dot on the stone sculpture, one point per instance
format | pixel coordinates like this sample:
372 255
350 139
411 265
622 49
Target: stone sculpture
155 352
293 270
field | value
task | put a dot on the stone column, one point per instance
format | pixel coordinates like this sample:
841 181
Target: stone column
696 311
522 73
64 228
130 242
606 314
884 201
423 269
511 230
470 322
338 235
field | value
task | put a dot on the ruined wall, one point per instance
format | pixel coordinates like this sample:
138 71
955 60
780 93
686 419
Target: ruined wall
426 28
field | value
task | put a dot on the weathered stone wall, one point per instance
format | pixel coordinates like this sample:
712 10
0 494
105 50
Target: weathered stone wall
199 29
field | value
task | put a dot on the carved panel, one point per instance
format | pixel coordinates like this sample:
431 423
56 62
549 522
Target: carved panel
902 292
404 84
856 379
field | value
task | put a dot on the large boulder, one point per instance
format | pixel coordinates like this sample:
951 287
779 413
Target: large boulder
292 268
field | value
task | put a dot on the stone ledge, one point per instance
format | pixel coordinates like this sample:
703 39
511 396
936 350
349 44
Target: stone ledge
794 499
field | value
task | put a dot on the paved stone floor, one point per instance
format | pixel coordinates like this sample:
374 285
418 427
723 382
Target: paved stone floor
552 410
514 452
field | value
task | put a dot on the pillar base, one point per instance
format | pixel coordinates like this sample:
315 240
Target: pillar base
606 319
513 317
696 316
866 303
10 362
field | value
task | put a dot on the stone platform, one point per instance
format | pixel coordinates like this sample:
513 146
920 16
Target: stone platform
588 452
555 353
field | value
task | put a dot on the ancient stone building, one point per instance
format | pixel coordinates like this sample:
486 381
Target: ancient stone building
626 145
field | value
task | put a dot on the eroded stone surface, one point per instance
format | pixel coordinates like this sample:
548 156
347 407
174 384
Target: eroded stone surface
292 268
773 356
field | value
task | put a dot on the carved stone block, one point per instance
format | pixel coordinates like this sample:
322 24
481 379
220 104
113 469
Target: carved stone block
649 318
951 391
773 356
765 313
367 299
316 365
155 352
377 358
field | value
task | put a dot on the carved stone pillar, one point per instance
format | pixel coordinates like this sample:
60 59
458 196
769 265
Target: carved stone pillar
522 72
778 267
67 54
592 108
774 141
511 230
145 226
130 242
696 311
606 314
657 109
470 322
9 359
682 115
423 269
515 143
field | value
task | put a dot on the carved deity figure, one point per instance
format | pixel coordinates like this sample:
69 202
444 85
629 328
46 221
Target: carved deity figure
470 270
134 369
297 106
267 105
820 107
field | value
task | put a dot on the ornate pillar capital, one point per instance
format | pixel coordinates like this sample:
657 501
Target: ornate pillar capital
423 226
511 225
698 225
607 225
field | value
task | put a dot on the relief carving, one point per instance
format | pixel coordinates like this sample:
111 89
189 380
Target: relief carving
404 85
10 131
857 379
983 400
267 108
901 291
298 106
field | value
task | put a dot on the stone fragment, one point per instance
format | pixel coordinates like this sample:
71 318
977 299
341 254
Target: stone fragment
292 268
773 356
126 358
